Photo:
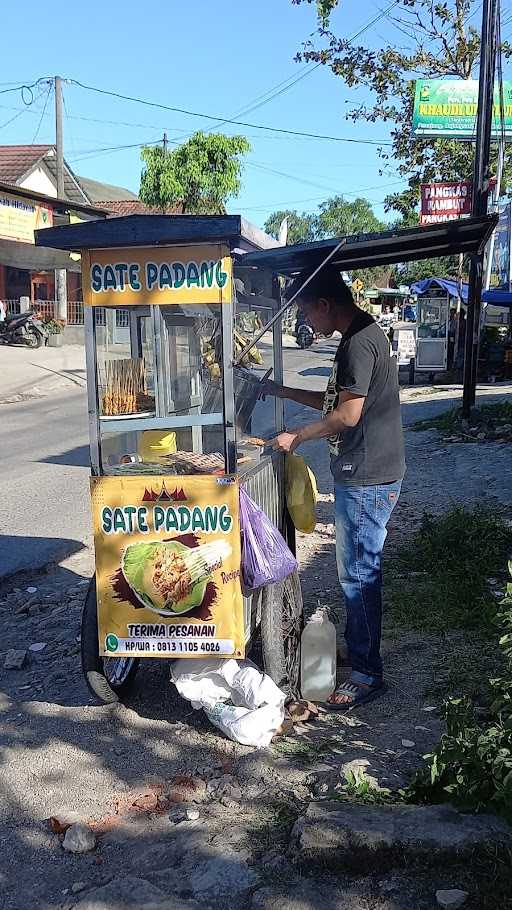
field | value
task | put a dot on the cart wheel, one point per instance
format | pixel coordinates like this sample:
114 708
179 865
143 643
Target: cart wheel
108 678
281 628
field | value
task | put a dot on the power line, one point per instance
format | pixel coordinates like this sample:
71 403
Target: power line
36 134
257 126
286 84
114 148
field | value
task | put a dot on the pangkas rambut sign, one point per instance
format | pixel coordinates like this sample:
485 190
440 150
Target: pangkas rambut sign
445 201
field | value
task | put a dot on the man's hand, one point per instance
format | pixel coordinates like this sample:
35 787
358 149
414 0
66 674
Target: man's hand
287 442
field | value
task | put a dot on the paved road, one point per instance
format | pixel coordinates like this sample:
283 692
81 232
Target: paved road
44 498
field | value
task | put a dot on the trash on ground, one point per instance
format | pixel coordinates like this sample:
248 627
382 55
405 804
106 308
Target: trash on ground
236 696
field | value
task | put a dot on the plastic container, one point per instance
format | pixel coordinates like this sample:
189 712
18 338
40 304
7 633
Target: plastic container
318 658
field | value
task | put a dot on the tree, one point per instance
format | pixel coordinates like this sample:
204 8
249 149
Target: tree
199 175
301 228
338 217
437 39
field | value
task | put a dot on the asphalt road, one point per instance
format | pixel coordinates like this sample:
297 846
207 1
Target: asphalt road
44 474
44 499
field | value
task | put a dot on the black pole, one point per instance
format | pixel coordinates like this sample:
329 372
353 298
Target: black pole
480 194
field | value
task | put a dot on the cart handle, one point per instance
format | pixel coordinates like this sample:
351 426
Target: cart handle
287 304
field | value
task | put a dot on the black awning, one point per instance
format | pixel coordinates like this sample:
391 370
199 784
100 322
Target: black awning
141 230
465 235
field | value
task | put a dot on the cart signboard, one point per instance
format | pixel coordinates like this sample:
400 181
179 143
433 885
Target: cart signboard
448 107
168 566
157 276
405 345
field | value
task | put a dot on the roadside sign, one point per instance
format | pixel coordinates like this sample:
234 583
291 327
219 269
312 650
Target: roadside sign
445 201
357 285
448 107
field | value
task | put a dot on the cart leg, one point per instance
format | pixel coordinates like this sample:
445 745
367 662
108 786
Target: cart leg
412 366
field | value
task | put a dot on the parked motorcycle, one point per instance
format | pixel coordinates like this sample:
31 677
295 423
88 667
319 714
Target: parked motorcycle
23 328
304 334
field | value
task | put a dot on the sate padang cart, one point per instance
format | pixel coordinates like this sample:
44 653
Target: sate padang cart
172 421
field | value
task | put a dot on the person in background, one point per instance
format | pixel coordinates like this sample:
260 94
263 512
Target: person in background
3 312
361 421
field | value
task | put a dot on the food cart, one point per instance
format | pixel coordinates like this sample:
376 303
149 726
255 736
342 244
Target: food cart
171 421
172 417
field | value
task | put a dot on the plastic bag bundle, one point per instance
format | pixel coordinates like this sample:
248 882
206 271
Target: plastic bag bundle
249 728
266 557
236 696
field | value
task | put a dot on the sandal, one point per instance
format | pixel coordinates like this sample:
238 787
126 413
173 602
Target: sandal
357 693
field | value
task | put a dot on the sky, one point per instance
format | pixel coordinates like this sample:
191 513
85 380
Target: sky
209 57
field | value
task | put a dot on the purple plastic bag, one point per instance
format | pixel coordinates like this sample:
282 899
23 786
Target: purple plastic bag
266 557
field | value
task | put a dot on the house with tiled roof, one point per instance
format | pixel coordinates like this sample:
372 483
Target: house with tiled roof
24 271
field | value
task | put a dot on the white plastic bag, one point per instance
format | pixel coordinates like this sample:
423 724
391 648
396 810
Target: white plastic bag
250 728
237 697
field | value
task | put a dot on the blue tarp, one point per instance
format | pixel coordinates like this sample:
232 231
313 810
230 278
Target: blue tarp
446 284
497 297
494 297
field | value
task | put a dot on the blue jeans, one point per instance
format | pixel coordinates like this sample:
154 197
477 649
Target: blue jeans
362 514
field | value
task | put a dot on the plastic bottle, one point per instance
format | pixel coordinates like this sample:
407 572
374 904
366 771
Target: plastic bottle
318 658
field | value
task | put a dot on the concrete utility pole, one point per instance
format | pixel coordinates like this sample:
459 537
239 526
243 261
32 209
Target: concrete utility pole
480 195
61 288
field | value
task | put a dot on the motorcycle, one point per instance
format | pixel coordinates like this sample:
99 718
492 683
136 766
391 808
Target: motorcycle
304 334
23 328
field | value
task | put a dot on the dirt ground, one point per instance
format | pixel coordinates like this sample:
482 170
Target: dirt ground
64 756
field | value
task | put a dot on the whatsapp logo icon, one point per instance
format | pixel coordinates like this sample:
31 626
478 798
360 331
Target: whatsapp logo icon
112 643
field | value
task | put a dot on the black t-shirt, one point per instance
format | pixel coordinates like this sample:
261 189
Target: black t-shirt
372 452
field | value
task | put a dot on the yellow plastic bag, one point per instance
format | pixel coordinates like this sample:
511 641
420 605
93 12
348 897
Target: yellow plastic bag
301 493
155 445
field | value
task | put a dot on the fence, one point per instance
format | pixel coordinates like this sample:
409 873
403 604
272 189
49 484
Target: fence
48 309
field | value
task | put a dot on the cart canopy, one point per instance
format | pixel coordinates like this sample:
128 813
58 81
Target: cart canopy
465 235
446 284
150 230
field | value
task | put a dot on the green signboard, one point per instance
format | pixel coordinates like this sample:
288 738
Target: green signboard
448 107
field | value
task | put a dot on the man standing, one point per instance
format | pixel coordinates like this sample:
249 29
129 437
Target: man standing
361 419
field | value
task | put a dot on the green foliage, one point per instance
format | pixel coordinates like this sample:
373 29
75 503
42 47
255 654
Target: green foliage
199 176
301 228
451 421
358 787
472 765
428 40
446 566
54 326
324 8
337 217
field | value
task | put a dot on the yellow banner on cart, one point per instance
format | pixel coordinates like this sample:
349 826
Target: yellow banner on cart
168 566
157 276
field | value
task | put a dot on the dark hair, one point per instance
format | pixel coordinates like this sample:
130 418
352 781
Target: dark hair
327 283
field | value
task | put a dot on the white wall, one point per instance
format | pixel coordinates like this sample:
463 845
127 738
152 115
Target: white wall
40 181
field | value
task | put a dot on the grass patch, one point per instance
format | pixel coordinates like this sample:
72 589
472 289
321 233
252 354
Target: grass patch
274 830
486 416
304 752
438 580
